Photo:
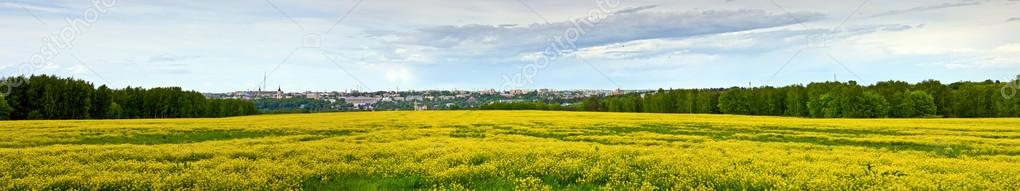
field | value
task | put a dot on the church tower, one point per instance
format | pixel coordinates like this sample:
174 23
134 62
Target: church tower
279 92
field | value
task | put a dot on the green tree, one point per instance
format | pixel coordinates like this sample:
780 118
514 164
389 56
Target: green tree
708 101
114 112
902 105
5 109
796 101
875 106
821 106
924 104
735 101
101 102
974 100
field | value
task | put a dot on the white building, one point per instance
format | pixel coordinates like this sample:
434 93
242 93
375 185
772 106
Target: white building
361 101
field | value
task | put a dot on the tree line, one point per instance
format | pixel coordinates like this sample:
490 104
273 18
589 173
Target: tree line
530 106
298 105
51 97
892 99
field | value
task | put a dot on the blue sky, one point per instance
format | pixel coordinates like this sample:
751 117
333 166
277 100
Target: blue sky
220 46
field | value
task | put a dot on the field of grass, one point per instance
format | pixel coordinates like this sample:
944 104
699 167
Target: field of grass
524 150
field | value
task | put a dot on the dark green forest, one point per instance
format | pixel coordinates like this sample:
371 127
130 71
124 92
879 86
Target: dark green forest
50 97
889 99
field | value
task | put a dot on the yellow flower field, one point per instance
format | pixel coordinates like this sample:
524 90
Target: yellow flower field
522 150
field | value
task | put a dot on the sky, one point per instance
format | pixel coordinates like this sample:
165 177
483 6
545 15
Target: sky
382 45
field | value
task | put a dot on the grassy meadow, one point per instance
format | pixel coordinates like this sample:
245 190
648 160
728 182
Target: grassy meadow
511 150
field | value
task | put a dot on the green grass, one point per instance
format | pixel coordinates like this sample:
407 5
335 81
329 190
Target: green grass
356 182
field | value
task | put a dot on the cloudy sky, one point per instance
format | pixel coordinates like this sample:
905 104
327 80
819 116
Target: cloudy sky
228 45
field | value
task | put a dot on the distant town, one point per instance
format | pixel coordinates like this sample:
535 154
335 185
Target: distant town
354 100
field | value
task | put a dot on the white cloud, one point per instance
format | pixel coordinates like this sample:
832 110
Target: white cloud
929 8
512 40
78 69
30 7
